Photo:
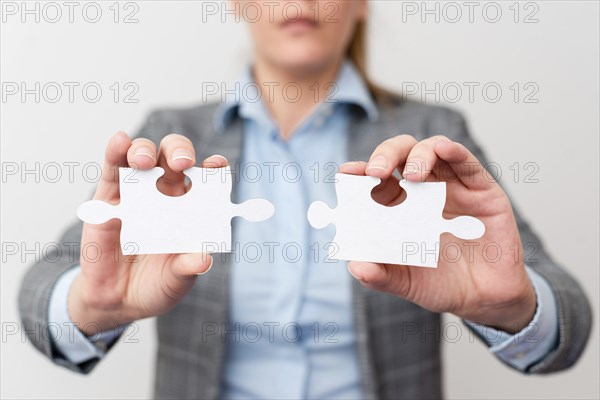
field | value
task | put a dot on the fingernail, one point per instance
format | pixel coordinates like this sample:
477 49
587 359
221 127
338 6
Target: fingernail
354 276
349 164
214 164
378 162
179 154
121 133
212 260
145 153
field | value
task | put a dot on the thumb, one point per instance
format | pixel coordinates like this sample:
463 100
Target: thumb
180 273
394 279
190 264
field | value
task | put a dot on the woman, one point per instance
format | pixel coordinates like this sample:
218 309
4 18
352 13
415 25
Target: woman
285 321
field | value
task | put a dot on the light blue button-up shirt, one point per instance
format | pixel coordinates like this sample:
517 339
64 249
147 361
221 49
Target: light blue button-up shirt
284 288
290 331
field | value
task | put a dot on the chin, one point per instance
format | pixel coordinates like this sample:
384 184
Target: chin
303 58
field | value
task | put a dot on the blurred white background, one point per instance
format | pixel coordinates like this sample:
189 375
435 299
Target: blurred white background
544 51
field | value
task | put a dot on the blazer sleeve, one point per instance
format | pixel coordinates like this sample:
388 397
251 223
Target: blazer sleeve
41 277
574 311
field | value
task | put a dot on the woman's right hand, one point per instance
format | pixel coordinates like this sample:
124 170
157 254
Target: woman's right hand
113 289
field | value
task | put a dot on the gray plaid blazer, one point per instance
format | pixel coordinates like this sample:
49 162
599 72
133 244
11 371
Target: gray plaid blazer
190 367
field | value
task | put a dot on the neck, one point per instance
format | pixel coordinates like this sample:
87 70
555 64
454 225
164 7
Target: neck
290 96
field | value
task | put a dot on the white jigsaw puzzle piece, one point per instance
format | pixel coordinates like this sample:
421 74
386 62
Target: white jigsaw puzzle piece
198 221
407 234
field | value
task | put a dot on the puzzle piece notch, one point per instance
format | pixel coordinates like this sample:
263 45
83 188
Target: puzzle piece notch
320 214
197 221
464 227
369 231
254 210
97 212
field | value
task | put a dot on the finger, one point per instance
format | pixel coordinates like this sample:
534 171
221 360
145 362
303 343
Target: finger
388 192
106 236
394 279
142 154
422 159
464 164
215 161
115 156
353 168
176 153
389 155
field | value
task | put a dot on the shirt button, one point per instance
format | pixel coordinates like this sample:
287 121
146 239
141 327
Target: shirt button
102 345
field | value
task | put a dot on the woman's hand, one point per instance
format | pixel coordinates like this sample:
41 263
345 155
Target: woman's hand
113 289
482 286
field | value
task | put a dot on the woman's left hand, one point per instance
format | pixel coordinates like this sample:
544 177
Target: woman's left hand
491 289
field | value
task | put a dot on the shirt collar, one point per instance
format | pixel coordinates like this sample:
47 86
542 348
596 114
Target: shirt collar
245 101
352 89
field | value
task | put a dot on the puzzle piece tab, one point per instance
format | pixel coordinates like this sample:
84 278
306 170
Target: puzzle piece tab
198 221
407 234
